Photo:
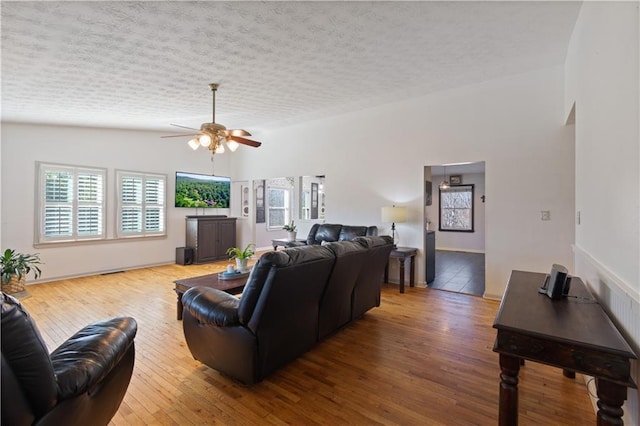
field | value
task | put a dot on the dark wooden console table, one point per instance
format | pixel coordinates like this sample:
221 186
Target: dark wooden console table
573 333
402 253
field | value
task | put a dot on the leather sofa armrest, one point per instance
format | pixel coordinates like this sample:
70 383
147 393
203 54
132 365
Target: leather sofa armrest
88 356
211 306
296 244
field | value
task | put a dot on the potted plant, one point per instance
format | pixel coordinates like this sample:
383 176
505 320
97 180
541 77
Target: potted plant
242 256
15 268
291 231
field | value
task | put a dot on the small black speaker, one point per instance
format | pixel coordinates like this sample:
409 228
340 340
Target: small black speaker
184 255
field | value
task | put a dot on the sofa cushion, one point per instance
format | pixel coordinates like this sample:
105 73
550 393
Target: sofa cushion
266 266
335 306
348 233
327 232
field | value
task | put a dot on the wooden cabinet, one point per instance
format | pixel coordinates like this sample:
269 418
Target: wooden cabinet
210 237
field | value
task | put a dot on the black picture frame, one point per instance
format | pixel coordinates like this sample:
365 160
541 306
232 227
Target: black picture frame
260 211
314 200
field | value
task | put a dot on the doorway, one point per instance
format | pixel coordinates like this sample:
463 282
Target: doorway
454 212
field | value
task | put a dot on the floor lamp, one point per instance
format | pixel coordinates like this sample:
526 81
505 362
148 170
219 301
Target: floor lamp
394 215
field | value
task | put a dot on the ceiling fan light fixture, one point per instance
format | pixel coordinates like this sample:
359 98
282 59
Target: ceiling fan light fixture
445 183
193 143
233 145
213 136
205 140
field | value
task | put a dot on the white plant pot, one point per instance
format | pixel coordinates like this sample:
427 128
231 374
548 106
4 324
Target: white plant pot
242 264
291 236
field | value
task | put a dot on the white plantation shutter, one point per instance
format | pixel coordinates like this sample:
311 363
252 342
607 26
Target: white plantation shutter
90 200
71 203
131 199
154 200
141 204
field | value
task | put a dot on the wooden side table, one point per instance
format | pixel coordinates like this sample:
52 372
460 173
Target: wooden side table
402 253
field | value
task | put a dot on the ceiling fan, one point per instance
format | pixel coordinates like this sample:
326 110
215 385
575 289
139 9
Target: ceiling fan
213 135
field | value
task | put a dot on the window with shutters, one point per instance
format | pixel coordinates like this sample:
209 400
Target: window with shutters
141 204
71 203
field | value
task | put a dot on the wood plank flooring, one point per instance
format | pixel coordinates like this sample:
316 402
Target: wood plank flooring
422 358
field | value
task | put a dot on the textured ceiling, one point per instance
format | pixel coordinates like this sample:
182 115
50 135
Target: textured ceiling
147 64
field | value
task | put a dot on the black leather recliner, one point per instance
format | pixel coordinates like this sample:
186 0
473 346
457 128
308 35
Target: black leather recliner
327 232
82 382
293 299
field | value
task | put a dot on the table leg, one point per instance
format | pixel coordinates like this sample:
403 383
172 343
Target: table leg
412 272
611 396
509 369
179 306
401 264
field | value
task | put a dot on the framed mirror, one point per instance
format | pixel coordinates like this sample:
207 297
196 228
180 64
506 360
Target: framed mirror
312 205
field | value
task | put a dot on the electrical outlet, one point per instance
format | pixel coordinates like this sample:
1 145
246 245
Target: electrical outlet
545 215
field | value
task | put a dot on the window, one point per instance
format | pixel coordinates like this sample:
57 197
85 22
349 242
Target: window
141 204
71 203
456 208
278 199
279 202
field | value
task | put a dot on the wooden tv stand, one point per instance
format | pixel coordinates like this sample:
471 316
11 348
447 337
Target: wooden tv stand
573 333
210 236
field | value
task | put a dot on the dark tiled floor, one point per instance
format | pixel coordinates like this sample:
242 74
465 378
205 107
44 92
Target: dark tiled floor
459 271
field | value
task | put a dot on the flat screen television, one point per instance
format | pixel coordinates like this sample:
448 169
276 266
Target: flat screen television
202 191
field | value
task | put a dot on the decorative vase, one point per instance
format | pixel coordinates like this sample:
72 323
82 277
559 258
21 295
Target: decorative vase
291 235
13 286
242 264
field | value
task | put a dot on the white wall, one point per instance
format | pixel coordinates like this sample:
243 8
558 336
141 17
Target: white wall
460 241
370 158
23 145
602 72
376 157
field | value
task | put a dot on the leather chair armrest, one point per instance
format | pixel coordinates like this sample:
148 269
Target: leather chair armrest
88 356
211 306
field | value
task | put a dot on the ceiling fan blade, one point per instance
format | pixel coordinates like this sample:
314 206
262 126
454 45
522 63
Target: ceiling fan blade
183 127
237 132
180 136
244 141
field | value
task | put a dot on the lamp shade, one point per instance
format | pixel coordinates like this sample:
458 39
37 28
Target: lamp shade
394 214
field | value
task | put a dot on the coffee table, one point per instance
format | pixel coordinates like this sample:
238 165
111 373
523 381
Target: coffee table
234 286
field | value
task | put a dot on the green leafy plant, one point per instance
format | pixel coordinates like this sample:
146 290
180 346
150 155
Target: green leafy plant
19 265
290 228
236 253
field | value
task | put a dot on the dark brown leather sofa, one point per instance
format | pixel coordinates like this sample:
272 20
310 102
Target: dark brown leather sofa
293 299
82 382
329 232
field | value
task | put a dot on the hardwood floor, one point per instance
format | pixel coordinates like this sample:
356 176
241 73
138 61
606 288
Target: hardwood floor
423 358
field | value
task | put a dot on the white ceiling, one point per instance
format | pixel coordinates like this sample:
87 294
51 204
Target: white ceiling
147 64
